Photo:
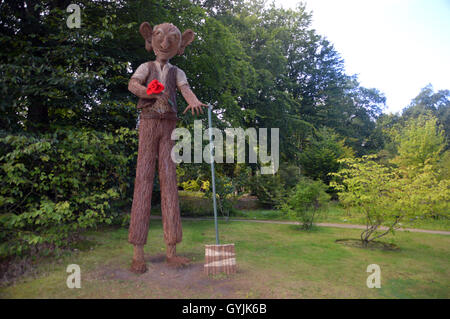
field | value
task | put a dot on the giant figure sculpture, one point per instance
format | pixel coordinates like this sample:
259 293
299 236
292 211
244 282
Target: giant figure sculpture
157 121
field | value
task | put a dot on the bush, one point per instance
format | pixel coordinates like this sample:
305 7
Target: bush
269 189
305 201
191 185
290 175
387 194
224 195
55 185
195 207
272 190
195 185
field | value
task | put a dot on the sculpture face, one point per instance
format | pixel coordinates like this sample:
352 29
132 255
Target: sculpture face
166 41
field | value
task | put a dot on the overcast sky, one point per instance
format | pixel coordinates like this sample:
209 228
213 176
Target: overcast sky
396 46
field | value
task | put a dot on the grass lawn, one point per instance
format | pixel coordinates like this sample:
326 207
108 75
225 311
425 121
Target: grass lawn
274 261
337 214
196 204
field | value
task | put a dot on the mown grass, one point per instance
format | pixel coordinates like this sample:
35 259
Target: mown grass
195 204
274 261
336 214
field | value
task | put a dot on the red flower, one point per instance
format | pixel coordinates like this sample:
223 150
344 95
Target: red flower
155 87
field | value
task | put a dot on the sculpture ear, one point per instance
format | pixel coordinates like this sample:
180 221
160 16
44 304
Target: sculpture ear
146 31
186 39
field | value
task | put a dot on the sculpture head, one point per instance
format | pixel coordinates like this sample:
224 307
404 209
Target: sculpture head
165 39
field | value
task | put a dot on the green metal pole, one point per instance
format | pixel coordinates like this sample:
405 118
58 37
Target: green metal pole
212 172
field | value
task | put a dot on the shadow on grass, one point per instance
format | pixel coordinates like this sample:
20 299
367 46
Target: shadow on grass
373 245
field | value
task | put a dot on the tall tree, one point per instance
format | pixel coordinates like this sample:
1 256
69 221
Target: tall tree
438 103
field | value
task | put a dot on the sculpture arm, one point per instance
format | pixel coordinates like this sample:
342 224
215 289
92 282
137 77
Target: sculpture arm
135 87
192 101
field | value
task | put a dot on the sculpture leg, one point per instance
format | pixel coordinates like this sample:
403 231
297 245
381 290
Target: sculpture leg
143 187
169 194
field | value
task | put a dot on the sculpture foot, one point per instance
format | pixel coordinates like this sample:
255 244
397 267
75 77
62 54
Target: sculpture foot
177 261
138 266
173 259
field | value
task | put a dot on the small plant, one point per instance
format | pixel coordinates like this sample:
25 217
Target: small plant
224 193
191 185
306 200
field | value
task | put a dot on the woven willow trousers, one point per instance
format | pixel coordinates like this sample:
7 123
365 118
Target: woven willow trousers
155 141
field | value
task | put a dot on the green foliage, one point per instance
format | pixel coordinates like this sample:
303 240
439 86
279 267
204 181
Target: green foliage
444 165
195 185
386 194
224 195
436 103
55 185
272 190
321 155
194 206
305 201
419 141
241 178
372 188
424 193
191 185
53 75
290 175
268 188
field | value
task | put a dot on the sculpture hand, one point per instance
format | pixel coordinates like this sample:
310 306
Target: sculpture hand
195 107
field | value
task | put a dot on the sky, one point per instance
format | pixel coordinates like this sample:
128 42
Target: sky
396 46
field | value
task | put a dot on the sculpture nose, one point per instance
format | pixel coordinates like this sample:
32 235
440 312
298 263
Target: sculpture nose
165 43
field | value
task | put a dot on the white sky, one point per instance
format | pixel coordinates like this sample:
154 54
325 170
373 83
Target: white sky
396 46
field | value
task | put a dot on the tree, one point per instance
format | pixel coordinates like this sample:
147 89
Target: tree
371 188
428 101
321 155
425 193
386 194
51 74
420 141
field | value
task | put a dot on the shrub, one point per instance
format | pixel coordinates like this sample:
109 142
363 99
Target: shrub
269 189
55 185
191 185
195 207
272 190
290 175
368 186
224 195
387 194
195 185
305 201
